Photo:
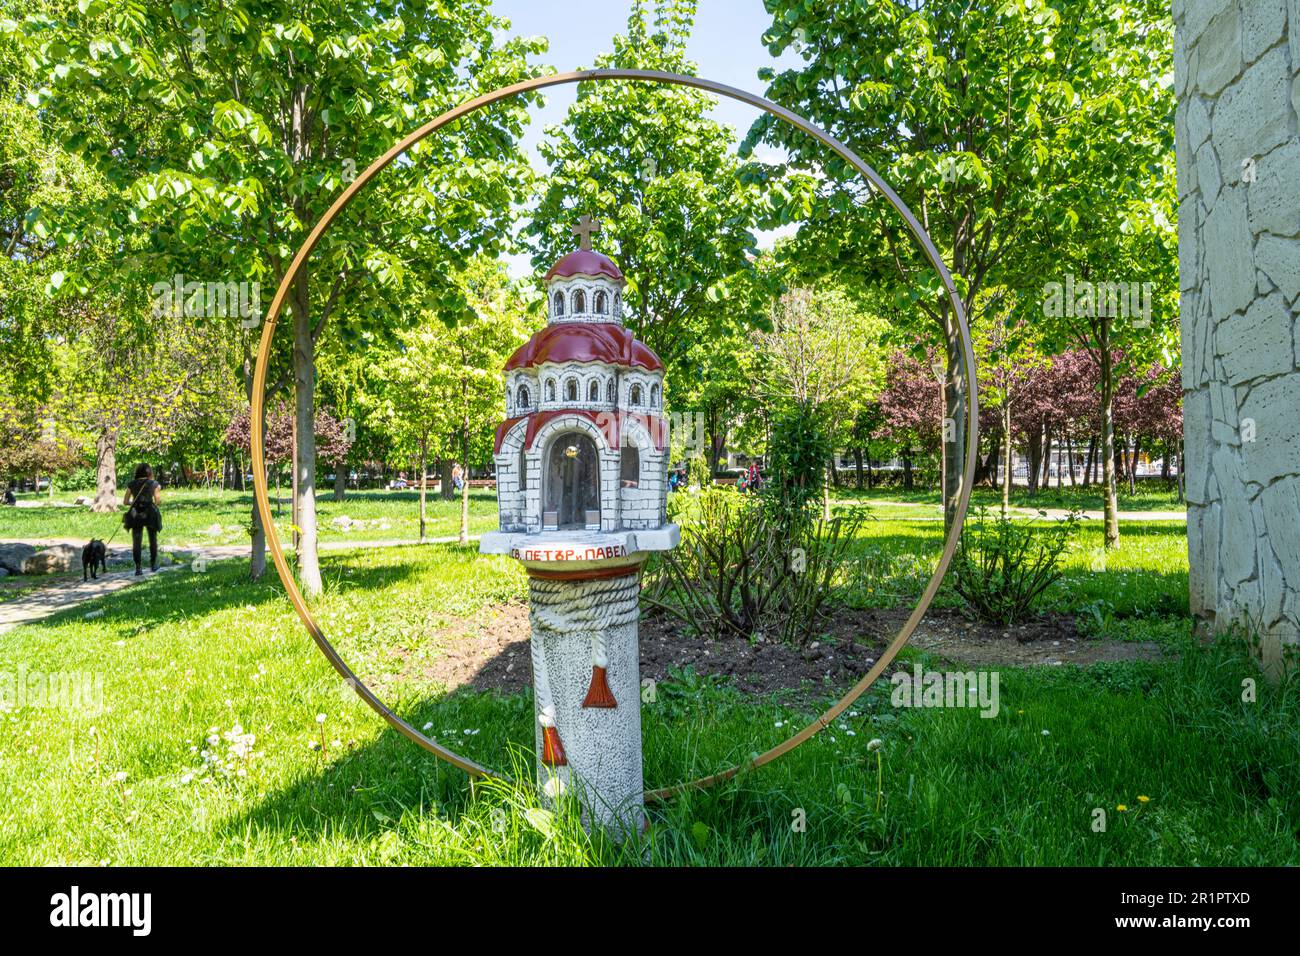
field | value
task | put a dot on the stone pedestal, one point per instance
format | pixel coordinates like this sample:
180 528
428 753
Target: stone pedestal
583 594
587 694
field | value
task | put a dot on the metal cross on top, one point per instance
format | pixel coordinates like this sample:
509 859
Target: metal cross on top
585 227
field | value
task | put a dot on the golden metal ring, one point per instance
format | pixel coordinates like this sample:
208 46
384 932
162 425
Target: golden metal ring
593 76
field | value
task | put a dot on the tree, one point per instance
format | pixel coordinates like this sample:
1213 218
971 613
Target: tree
662 177
441 390
911 409
822 354
226 131
972 112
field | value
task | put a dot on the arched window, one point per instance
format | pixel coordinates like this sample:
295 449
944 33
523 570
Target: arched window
571 390
618 303
579 302
635 398
602 304
559 303
523 468
654 395
550 389
522 399
611 393
629 468
593 391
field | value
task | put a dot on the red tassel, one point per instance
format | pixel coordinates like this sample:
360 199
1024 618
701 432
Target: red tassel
552 749
599 694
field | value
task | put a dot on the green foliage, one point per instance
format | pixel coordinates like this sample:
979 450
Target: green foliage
797 452
1003 565
739 574
663 178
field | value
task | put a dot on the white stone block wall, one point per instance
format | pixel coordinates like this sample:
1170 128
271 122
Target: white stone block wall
1237 77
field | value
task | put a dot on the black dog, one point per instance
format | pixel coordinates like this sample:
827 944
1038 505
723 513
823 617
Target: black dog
93 555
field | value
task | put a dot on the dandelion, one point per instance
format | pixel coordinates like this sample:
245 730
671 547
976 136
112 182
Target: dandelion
120 776
1122 807
320 718
1047 733
1142 798
875 744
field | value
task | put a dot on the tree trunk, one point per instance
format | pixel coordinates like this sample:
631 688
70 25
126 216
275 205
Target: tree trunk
1108 437
304 380
1133 466
340 480
106 470
1069 457
954 390
464 455
1006 455
424 458
907 473
445 489
857 466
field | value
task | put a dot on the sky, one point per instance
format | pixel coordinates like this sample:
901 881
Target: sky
726 46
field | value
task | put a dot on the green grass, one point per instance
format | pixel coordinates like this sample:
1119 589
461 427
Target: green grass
185 656
189 514
1152 495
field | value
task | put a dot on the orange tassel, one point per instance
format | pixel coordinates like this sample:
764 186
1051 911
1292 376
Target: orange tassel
599 694
552 749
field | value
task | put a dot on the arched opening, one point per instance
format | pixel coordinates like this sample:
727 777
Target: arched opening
571 494
559 303
602 304
550 389
611 393
579 302
618 303
593 391
629 473
522 398
571 390
635 397
654 395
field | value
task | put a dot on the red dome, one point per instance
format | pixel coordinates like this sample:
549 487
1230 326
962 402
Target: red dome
585 342
585 262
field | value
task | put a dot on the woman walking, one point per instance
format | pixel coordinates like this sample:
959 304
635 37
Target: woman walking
143 496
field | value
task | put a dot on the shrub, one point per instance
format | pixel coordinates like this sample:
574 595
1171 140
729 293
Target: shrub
737 573
1003 566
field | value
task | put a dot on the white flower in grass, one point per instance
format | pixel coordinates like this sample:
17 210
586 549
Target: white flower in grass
120 776
428 725
320 718
1047 733
875 743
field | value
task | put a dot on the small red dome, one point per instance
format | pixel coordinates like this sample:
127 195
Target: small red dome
585 342
585 262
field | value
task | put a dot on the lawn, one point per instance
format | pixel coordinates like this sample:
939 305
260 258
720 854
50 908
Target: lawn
1151 495
168 773
189 517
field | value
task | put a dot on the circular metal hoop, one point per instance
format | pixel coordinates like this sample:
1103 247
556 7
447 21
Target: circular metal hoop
590 76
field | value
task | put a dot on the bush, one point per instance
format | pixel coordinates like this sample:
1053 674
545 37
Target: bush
1003 566
737 573
797 452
